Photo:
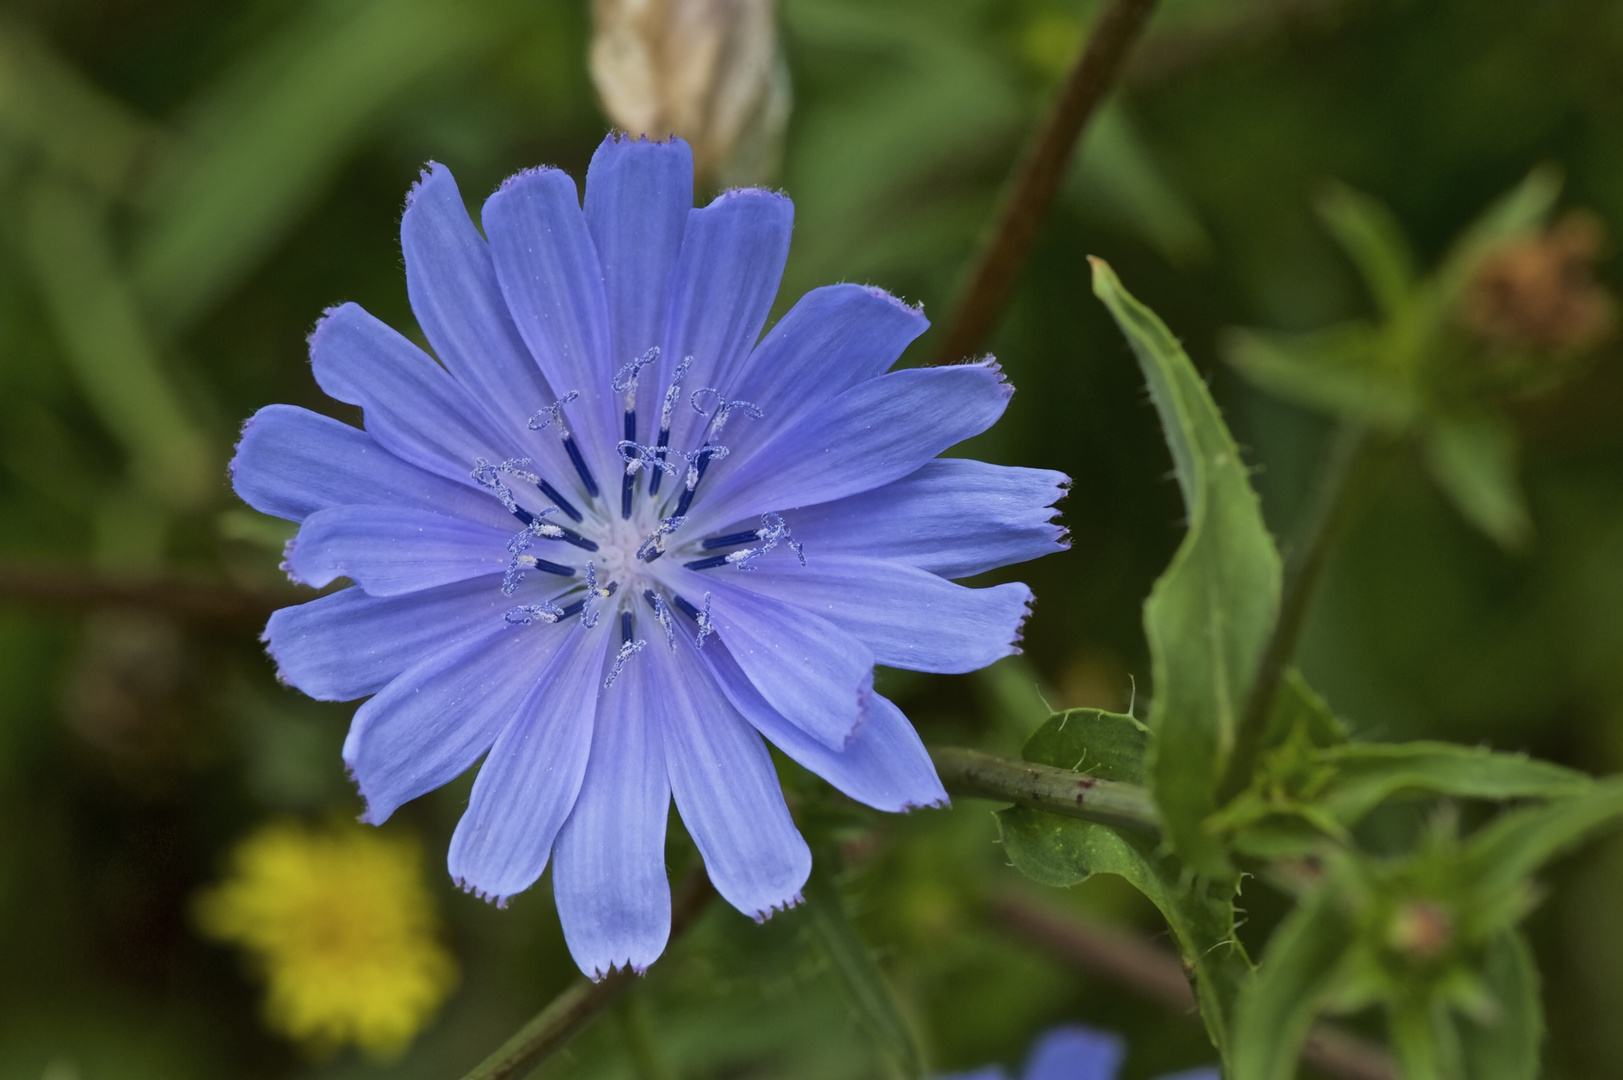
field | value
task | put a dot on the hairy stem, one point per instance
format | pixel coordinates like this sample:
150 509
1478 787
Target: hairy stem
975 774
1037 177
571 1011
1327 516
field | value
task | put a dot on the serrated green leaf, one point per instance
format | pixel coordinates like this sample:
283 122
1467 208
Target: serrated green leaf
858 974
1062 852
1292 985
1473 460
1371 236
1110 746
1209 615
1332 370
1506 1047
1514 846
1368 774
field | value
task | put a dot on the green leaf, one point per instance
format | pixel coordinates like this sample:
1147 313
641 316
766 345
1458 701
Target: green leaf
1368 774
1292 986
1062 852
1514 846
1332 370
1373 239
1506 1046
1473 459
1520 210
1110 746
857 972
1209 615
107 346
262 144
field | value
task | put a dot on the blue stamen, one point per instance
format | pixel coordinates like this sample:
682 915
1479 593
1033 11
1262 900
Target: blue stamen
579 462
627 480
659 452
523 515
625 627
686 608
709 563
562 503
732 539
571 610
570 536
553 568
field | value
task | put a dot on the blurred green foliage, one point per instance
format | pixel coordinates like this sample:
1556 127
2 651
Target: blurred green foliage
187 185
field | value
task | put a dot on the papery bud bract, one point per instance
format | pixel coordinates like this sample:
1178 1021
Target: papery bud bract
706 70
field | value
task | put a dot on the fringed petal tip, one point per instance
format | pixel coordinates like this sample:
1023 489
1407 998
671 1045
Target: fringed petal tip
236 449
539 172
793 901
289 554
734 194
620 136
1020 626
488 897
598 974
896 301
429 171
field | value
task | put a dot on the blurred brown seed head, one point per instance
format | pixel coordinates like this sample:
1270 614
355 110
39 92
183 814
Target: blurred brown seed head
706 70
1539 293
1421 930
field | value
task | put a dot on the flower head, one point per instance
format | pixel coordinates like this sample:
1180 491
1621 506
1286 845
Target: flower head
1073 1052
343 930
615 539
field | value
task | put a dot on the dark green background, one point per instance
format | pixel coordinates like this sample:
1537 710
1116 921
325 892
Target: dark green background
135 746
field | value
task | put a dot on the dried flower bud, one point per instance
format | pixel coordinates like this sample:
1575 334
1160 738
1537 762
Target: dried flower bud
1421 930
707 70
1539 292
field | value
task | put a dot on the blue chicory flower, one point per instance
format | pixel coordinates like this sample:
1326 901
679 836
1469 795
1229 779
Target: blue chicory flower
615 540
1074 1052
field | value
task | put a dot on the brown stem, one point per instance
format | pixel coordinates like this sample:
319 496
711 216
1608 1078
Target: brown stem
1157 974
571 1011
80 588
1037 177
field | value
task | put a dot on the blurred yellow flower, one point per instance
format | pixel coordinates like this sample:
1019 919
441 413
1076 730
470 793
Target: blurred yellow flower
343 930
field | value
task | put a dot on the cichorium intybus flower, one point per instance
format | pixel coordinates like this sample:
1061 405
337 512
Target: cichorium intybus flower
615 537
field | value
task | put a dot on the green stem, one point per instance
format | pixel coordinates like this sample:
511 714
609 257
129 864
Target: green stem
1331 509
974 774
571 1011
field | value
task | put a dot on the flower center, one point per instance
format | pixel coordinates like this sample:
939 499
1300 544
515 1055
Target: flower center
604 561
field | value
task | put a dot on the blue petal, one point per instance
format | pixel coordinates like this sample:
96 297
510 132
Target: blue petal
388 551
727 275
832 339
412 406
292 462
909 618
726 789
876 432
638 194
953 517
459 305
885 766
347 645
608 871
529 781
431 723
812 671
553 283
1074 1052
1194 1074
